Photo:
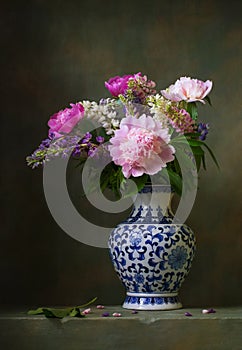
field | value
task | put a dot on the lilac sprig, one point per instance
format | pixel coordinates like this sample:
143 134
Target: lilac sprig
50 148
88 146
63 147
38 156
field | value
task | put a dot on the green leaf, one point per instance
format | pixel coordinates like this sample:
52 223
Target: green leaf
73 311
76 312
195 142
140 182
207 98
192 110
176 181
197 150
36 311
51 312
201 143
56 313
198 153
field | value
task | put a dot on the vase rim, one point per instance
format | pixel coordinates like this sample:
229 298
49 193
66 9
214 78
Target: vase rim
149 187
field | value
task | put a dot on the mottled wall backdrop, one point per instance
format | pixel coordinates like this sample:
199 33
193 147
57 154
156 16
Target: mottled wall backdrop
57 52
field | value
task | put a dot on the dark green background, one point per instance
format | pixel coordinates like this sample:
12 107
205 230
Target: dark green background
57 52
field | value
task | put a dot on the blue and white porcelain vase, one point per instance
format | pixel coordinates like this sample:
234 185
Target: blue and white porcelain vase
151 254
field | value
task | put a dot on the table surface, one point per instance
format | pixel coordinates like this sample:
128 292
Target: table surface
221 313
159 330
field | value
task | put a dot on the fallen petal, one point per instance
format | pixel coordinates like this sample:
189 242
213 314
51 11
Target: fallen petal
211 311
208 311
188 314
100 307
86 312
116 314
205 311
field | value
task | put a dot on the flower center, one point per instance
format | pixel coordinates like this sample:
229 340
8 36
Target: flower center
140 143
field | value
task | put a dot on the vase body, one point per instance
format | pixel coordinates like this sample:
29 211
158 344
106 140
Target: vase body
151 254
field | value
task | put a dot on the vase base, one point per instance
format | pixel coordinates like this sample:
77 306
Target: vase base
142 301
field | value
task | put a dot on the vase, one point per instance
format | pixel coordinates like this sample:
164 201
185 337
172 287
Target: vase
151 254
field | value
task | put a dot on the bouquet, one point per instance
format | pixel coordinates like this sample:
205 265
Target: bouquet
134 134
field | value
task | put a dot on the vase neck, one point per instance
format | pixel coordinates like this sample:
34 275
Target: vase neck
153 199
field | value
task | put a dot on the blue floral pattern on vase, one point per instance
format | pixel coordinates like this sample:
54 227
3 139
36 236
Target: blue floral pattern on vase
151 255
178 257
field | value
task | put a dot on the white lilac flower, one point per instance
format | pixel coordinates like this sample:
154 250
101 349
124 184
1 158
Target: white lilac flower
159 107
103 112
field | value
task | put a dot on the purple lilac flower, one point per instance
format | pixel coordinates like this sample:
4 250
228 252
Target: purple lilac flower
100 139
77 151
46 142
48 149
92 151
87 137
63 146
38 156
202 129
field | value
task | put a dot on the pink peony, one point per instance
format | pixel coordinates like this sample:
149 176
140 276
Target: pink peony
141 146
118 85
65 120
187 89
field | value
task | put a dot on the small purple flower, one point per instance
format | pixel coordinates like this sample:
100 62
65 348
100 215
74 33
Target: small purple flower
92 151
105 314
46 142
87 137
77 151
51 135
202 129
100 139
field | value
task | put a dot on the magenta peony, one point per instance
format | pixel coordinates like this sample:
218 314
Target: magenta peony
187 89
118 85
65 120
141 146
